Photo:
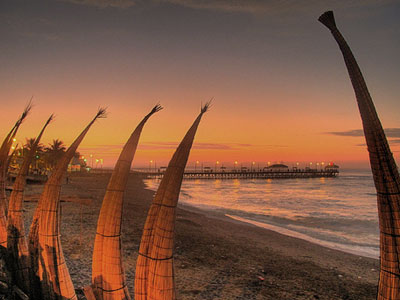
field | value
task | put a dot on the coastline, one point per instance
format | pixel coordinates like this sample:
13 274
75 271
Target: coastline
216 257
331 245
318 211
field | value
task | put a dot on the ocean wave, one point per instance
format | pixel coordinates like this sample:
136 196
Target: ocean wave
340 210
363 250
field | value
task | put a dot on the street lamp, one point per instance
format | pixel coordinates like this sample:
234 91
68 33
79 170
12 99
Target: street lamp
216 165
195 166
150 162
252 165
235 164
37 161
13 147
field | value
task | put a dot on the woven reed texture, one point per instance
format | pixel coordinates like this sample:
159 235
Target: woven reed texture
154 276
384 169
4 151
17 247
5 148
52 276
108 277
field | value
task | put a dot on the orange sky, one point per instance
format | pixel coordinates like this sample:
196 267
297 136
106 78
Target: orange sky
278 79
227 133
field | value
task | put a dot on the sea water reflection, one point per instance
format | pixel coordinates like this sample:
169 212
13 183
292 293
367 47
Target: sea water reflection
340 212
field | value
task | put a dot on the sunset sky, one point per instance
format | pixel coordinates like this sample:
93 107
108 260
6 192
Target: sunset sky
280 87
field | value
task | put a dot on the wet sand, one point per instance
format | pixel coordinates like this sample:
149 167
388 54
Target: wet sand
216 257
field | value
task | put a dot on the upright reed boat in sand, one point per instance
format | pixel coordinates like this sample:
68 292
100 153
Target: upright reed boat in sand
108 277
51 276
154 276
384 170
4 151
17 247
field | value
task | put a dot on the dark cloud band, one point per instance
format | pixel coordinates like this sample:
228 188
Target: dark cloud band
390 133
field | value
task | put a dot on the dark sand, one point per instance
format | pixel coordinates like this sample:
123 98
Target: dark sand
215 257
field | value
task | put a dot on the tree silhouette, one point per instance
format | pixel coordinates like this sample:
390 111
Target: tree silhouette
38 158
30 142
54 152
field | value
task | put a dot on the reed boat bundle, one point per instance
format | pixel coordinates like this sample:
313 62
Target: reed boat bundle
47 256
384 170
17 247
108 278
4 151
154 277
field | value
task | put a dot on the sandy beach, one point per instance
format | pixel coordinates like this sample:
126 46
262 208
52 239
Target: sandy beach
216 257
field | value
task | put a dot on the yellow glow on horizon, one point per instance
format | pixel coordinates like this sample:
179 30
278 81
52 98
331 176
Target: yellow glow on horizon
220 136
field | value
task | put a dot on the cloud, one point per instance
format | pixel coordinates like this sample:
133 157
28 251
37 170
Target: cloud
353 133
249 6
390 133
270 7
273 6
104 3
393 132
152 146
392 142
197 146
211 146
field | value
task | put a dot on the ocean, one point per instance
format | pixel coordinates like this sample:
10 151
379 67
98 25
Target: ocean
339 213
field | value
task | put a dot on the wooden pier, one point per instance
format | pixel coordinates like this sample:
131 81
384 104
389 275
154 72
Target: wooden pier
246 175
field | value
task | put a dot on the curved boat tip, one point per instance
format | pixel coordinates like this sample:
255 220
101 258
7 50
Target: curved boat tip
328 19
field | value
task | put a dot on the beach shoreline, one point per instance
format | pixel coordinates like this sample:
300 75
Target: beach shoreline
339 213
216 257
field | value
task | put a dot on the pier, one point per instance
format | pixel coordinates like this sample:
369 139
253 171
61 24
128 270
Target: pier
238 174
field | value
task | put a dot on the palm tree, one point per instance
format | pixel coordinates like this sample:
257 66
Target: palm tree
30 142
54 152
38 158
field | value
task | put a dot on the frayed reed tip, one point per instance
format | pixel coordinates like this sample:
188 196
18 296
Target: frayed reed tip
156 108
206 106
26 112
102 113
